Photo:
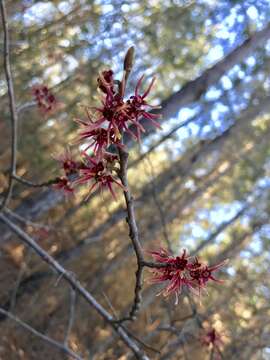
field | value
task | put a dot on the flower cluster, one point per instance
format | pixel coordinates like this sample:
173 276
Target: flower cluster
105 125
179 271
71 170
102 130
213 340
100 170
46 101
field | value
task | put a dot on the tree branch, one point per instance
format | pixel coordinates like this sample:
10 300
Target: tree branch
26 106
12 106
34 185
133 234
47 339
71 279
71 314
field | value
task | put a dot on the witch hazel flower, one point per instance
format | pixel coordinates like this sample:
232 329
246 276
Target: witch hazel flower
99 172
181 271
45 99
100 138
115 115
70 168
205 273
65 185
212 339
68 164
174 274
101 131
138 106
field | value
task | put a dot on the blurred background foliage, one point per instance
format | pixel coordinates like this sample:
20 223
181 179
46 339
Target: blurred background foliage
204 188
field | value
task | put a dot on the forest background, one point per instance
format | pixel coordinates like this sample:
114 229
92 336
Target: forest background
201 183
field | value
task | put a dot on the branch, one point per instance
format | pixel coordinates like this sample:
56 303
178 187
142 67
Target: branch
27 222
12 105
22 270
47 339
134 236
71 279
34 185
123 255
26 106
71 314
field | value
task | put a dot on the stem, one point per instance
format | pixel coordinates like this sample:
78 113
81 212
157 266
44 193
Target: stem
12 105
71 315
34 185
134 236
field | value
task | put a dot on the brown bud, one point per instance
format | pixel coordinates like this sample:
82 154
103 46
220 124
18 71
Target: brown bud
128 62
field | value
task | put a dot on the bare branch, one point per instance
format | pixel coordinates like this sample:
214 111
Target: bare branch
26 221
71 279
71 314
34 185
133 234
47 339
22 270
12 106
26 106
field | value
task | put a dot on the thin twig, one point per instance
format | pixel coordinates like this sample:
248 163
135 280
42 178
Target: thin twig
134 236
26 106
71 279
71 314
110 304
34 185
12 106
25 221
22 270
47 339
146 346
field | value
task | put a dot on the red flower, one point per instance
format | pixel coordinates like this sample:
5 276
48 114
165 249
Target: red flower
204 273
105 124
103 127
181 271
69 165
100 172
176 273
46 101
100 138
106 82
213 339
138 105
64 185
